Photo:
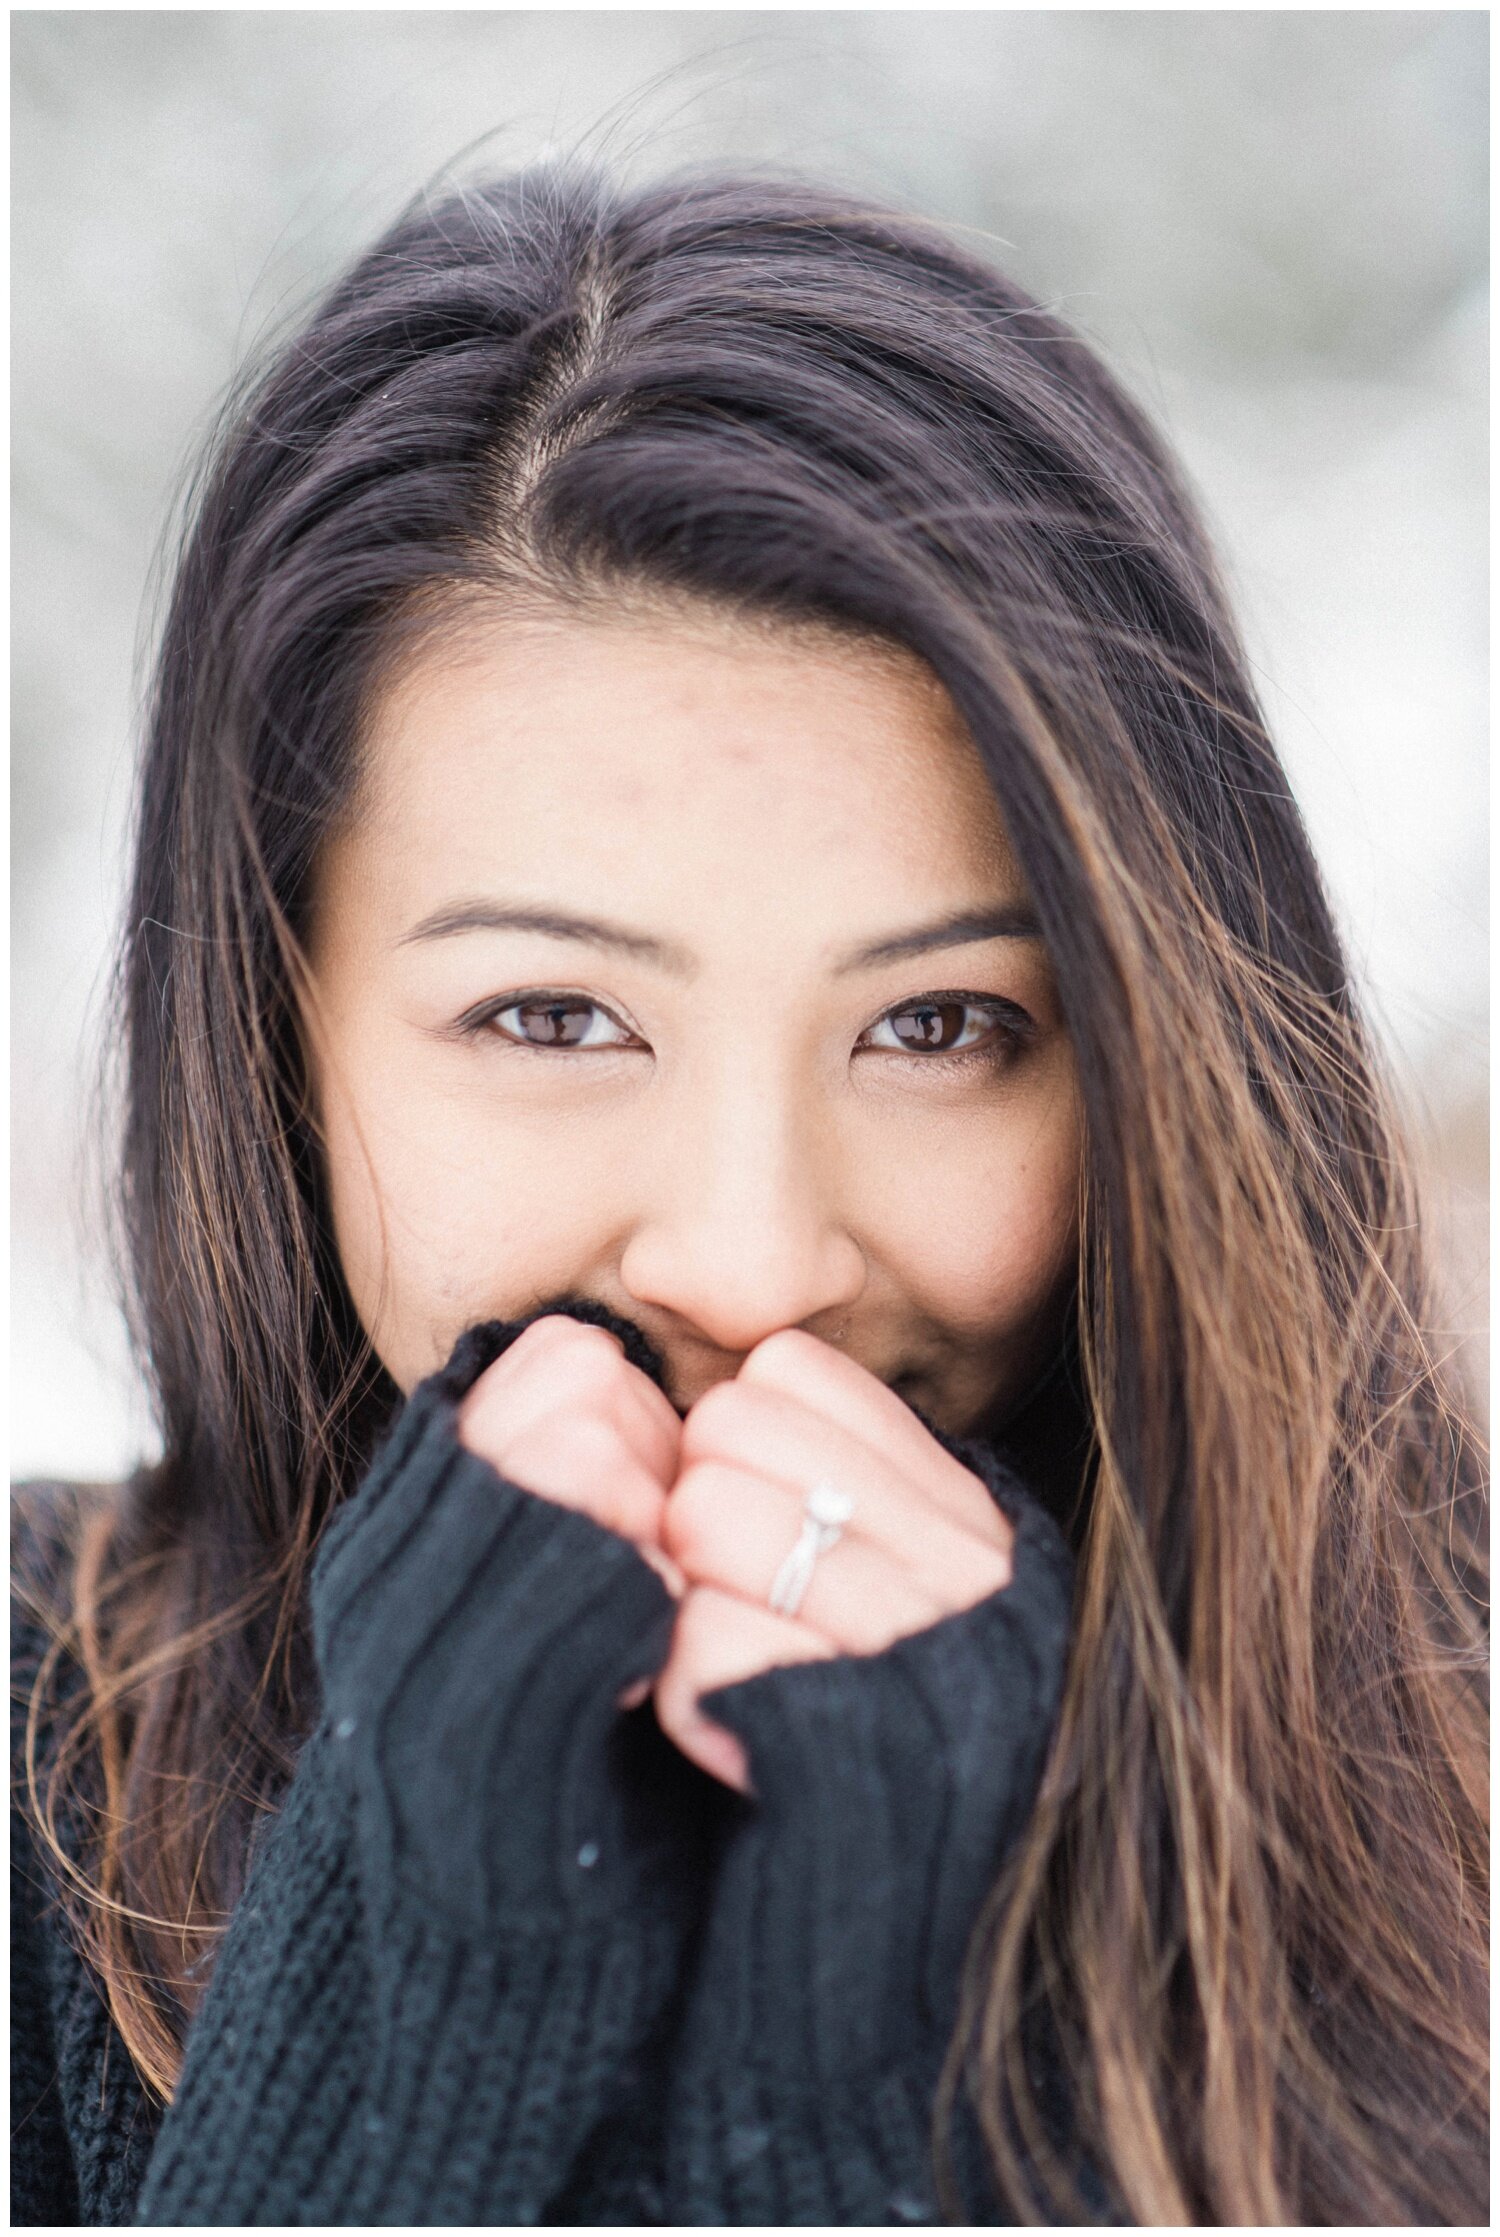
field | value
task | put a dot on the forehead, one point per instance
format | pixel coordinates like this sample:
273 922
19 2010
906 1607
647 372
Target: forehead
693 731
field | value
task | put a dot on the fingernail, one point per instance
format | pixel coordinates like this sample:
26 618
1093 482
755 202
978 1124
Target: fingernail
723 1756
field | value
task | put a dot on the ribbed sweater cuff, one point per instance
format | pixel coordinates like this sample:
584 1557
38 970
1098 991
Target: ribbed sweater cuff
341 2074
889 1789
493 2065
747 2150
473 1639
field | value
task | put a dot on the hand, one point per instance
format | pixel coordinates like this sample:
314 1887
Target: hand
564 1413
925 1540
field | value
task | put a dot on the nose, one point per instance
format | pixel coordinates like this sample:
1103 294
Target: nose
740 1230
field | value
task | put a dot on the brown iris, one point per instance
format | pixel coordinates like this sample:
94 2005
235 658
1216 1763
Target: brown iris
553 1025
928 1025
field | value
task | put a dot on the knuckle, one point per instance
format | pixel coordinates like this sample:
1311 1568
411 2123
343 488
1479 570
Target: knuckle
559 1455
586 1442
790 1352
719 1415
539 1336
524 1359
590 1356
694 1636
559 1336
675 1692
694 1667
481 1420
687 1516
596 1342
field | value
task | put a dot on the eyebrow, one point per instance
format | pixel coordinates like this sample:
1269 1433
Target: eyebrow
555 924
961 928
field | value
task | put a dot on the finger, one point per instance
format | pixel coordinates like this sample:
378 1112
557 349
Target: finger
649 1421
832 1388
733 1530
719 1639
556 1334
584 1372
666 1568
832 1384
935 1517
552 1360
580 1461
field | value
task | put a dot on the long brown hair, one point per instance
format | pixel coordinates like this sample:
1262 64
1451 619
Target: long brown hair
1251 1905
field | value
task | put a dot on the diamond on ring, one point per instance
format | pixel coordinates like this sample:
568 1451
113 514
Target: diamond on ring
825 1503
825 1510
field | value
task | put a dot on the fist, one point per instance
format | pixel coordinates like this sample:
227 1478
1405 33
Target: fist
925 1539
563 1413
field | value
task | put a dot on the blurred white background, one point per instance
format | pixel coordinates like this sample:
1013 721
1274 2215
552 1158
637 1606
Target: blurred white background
1272 223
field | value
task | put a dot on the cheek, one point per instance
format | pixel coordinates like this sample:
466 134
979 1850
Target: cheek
439 1217
996 1238
368 1183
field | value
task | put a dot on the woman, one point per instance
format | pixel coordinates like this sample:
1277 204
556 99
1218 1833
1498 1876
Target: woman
809 1565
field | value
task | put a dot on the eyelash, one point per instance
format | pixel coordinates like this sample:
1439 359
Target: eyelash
1013 1026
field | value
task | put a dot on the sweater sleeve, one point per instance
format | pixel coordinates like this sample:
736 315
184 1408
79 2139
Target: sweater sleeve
463 1923
81 2119
888 1790
43 2180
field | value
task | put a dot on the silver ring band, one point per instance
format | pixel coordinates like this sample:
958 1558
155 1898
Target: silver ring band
825 1510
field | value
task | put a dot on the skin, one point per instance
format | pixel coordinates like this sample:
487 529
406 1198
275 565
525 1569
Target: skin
755 1155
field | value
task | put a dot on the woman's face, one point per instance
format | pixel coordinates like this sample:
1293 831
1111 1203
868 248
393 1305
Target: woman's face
636 978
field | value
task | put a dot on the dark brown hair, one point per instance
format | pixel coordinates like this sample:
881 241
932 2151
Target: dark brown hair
1252 1901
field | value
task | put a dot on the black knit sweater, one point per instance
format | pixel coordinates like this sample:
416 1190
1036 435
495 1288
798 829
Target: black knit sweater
504 1954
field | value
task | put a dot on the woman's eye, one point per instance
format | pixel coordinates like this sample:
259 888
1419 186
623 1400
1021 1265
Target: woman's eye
957 1027
547 1021
937 1030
